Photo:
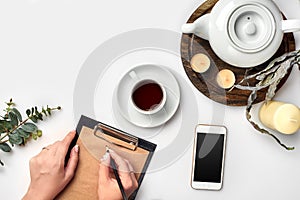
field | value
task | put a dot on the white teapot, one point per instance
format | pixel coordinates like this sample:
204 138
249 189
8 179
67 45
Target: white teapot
243 33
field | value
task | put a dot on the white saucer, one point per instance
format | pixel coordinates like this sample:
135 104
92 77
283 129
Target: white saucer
161 75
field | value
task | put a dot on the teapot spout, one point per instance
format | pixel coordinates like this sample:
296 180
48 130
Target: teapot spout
200 27
188 28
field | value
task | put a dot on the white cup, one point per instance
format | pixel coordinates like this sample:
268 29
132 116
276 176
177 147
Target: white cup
139 82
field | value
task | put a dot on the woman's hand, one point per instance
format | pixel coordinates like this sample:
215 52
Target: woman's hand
47 172
108 188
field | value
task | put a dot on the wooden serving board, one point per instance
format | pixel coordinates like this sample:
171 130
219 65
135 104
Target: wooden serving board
206 82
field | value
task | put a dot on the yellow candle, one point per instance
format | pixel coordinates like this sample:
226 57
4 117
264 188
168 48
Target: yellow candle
280 116
200 63
225 78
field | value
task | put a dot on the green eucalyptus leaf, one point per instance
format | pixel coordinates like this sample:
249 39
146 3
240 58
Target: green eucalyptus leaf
23 133
34 119
2 126
29 127
18 114
40 116
39 133
34 136
9 104
5 125
5 147
44 111
24 141
13 119
6 116
15 138
36 110
28 112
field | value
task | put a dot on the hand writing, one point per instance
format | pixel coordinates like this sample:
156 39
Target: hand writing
108 188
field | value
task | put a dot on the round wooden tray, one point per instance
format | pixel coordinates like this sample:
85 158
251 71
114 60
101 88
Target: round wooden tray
206 83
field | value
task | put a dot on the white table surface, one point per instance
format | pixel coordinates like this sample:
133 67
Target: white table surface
43 45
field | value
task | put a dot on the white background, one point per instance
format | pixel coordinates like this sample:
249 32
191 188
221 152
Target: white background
43 44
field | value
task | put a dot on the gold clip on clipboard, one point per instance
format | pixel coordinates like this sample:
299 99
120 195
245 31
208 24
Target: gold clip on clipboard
116 137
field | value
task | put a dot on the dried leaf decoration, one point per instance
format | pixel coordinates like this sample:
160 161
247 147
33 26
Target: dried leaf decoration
269 77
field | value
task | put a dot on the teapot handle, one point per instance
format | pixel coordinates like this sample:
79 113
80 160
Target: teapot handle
290 25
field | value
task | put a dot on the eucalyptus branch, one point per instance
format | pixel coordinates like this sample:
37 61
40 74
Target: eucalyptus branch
1 142
15 131
5 135
16 127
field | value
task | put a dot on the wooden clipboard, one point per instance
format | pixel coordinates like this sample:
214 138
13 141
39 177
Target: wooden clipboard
93 137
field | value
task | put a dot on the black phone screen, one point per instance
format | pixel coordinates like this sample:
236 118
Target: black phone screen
208 158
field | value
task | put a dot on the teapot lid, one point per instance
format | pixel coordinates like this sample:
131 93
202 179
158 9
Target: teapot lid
251 28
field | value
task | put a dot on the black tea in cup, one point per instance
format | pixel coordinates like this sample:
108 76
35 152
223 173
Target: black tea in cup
147 95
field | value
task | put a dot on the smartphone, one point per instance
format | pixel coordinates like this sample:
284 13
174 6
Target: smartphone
208 157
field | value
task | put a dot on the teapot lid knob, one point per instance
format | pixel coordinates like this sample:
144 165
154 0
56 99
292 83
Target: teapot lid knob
250 28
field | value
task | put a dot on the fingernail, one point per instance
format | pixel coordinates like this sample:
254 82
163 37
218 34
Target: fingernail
104 157
111 150
76 148
108 149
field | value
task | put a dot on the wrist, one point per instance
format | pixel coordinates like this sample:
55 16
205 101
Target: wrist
33 194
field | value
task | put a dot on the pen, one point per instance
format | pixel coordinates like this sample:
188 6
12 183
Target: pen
114 167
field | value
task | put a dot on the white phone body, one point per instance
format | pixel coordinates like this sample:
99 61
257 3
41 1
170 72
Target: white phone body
208 157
